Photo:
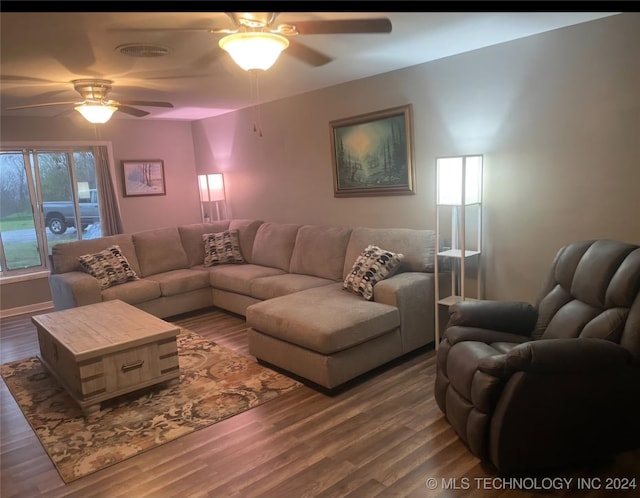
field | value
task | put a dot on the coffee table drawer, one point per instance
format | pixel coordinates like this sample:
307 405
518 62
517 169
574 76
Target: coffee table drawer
129 368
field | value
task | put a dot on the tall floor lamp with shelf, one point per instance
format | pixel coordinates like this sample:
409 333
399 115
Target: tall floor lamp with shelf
459 197
211 192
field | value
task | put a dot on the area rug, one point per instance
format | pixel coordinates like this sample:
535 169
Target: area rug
215 383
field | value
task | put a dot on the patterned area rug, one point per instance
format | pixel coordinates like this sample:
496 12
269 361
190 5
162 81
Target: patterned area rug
215 383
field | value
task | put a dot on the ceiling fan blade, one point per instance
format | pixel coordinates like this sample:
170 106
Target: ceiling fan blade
344 26
11 77
66 112
132 111
148 103
209 58
214 31
307 54
30 106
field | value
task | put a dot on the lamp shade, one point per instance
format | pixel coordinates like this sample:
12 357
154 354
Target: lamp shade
211 187
95 112
254 50
451 187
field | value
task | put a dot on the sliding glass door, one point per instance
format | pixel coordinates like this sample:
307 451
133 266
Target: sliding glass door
48 196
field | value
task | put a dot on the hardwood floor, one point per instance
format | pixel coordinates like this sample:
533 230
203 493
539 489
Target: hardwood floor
384 436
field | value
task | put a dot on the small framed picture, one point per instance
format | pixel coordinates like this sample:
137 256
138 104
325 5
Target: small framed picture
372 154
143 177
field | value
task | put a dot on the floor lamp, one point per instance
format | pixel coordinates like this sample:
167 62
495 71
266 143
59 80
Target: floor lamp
211 191
458 194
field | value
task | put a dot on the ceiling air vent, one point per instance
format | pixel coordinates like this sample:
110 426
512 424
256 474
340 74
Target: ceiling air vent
142 50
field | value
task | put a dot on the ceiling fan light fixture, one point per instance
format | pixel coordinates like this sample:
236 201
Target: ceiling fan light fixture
96 113
251 50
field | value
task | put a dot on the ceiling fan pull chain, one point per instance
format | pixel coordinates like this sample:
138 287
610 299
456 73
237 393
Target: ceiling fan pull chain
258 105
255 96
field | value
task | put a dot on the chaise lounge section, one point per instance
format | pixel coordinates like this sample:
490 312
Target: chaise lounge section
286 279
330 336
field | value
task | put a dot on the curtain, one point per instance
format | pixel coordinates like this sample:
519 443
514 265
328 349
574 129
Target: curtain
111 221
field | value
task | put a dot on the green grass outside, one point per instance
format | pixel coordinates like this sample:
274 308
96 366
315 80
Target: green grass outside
21 255
24 254
16 221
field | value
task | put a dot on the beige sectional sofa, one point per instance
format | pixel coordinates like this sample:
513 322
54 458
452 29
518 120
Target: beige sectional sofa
289 288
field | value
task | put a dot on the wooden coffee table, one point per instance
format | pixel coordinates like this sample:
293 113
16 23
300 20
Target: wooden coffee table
104 350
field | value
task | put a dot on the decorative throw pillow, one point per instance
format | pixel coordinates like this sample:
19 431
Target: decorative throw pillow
372 266
222 247
109 267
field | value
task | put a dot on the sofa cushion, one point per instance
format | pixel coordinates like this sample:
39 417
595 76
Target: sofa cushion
372 266
108 267
160 250
281 285
417 246
180 281
134 292
221 248
64 256
324 319
247 230
319 251
191 237
273 245
238 278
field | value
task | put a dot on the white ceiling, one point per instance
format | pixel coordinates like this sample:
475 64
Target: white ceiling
41 53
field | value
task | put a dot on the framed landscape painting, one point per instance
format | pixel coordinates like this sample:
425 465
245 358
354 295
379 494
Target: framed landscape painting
373 154
143 177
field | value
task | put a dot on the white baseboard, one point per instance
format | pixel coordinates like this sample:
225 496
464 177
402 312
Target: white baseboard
32 308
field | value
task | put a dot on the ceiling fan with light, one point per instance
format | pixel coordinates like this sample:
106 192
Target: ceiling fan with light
96 107
256 42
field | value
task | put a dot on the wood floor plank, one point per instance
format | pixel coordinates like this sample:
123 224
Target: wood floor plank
384 436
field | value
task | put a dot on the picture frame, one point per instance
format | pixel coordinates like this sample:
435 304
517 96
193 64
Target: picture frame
372 154
143 177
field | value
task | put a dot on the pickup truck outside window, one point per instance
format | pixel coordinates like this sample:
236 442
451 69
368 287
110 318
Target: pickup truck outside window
60 215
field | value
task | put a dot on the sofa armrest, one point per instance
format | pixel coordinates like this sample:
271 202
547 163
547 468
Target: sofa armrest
413 294
514 317
74 288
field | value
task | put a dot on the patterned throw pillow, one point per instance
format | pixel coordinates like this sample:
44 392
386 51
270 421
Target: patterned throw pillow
109 267
222 247
372 266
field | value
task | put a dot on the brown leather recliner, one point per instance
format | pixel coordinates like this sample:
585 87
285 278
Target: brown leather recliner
529 387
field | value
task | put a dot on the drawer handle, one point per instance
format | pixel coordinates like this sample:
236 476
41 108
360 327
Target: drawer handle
132 365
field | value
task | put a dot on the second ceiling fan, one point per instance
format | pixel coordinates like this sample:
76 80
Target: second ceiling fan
96 107
256 42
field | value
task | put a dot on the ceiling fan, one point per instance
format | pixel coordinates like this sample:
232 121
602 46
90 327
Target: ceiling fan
256 42
96 107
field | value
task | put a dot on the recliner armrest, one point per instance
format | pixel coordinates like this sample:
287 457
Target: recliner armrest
457 334
514 317
568 356
556 356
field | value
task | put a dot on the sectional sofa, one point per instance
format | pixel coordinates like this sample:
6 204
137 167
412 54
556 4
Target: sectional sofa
287 280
